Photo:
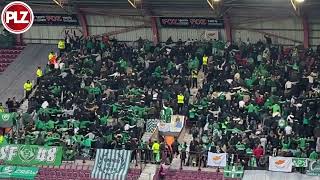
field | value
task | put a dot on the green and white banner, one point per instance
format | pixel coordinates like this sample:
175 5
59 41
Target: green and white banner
111 164
233 172
7 119
17 172
18 154
314 168
299 162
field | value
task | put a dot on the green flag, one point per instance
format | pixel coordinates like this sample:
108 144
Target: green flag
233 171
17 172
6 119
30 154
300 162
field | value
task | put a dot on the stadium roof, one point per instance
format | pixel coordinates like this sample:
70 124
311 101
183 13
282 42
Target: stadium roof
235 8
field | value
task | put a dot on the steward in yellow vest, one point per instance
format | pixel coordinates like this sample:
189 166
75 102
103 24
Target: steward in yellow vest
205 64
61 47
180 100
39 74
27 88
156 151
51 55
205 60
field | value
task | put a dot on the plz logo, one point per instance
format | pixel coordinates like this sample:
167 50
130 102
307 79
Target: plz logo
17 17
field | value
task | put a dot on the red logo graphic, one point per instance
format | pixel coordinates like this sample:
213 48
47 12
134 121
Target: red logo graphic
17 17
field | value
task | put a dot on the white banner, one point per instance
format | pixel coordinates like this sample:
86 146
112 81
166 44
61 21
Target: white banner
164 127
177 123
217 159
214 35
282 164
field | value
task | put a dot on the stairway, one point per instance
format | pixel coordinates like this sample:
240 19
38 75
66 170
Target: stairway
148 172
146 136
22 68
185 135
187 138
7 56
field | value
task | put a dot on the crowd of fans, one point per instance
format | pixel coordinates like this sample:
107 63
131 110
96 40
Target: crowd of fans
255 99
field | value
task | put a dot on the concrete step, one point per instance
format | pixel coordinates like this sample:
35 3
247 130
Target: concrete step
148 172
187 138
175 163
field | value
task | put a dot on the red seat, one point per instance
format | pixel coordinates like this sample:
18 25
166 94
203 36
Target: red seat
53 174
69 174
46 172
59 173
87 174
75 174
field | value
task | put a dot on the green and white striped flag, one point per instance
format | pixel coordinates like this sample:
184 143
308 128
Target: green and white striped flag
151 125
300 162
111 164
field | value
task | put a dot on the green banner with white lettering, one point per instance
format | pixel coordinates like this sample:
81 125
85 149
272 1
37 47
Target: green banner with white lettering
17 172
314 168
18 154
300 162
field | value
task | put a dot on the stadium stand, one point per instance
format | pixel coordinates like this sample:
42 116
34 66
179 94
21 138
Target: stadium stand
95 107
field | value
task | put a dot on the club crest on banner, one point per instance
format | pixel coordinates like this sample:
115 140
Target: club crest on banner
26 153
5 117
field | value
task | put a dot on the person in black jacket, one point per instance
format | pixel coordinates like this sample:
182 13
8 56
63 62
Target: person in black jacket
175 147
9 104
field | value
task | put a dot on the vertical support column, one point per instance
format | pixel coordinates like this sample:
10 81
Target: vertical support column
83 23
227 27
306 31
19 39
155 32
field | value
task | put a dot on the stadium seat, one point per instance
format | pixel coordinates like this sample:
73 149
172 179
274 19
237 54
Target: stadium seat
8 55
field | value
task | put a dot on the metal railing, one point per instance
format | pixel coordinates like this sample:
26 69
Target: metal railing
199 160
